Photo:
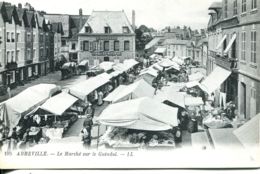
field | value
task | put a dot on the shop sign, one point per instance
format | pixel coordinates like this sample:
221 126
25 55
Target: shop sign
107 53
106 38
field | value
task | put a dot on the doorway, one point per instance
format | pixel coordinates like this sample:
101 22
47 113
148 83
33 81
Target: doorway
243 100
106 59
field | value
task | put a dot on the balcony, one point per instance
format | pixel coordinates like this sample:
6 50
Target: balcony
226 62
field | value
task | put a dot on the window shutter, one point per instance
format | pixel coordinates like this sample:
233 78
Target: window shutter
81 45
101 44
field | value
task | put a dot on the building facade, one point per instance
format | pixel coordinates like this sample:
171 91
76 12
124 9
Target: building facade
25 44
234 45
106 36
71 25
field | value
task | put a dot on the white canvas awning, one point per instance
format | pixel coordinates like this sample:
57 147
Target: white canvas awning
150 71
120 67
224 139
215 79
114 93
59 103
153 56
25 102
249 133
200 140
160 50
196 76
167 63
115 73
106 66
176 98
139 88
141 114
221 42
193 101
81 90
178 60
234 36
130 63
83 63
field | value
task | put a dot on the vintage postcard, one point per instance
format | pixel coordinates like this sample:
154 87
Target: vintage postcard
116 84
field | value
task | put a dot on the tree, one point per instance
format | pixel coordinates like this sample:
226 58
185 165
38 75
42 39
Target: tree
141 38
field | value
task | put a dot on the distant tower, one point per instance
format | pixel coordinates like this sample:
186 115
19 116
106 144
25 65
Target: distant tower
133 19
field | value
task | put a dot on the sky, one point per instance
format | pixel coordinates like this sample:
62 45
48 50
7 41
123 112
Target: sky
152 13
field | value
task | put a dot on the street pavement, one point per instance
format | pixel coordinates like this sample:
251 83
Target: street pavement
74 131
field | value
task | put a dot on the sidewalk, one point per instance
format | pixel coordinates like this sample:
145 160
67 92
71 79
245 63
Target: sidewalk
51 78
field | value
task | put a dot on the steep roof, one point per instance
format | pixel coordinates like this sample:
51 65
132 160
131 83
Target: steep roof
63 18
153 42
11 12
30 18
40 19
76 25
3 11
21 13
113 19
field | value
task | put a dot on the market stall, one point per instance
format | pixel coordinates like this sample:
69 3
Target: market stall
56 107
197 76
83 66
106 66
145 114
138 89
83 89
148 75
26 101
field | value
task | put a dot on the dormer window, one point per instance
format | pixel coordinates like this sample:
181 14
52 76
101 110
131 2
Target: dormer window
107 30
87 29
126 30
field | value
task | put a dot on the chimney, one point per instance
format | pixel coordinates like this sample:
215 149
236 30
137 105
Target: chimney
80 19
133 20
20 6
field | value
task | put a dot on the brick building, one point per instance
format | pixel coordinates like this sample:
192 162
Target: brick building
106 36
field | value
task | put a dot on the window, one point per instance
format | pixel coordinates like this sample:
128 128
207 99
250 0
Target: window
28 54
94 46
17 55
254 4
87 29
34 38
63 42
107 30
73 46
17 37
243 6
116 45
225 9
12 37
8 37
41 52
12 56
197 54
8 57
41 37
28 37
253 46
86 45
126 45
253 93
106 45
235 7
243 46
125 30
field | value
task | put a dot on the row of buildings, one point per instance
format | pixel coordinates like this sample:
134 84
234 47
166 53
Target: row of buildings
27 44
181 42
32 41
233 43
